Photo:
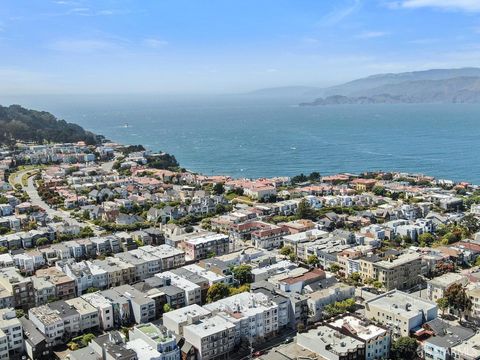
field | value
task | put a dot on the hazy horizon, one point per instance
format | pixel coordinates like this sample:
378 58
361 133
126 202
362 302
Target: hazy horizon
218 47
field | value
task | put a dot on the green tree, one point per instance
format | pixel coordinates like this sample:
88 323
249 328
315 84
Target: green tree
217 292
354 279
334 268
286 250
4 230
377 284
457 298
305 211
92 290
167 308
242 273
404 348
3 250
72 345
426 239
340 307
471 223
218 189
19 313
378 190
442 304
240 289
312 260
314 176
86 339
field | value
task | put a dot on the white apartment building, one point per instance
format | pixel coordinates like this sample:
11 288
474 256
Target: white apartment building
212 337
176 320
104 307
400 311
12 331
377 339
193 292
254 315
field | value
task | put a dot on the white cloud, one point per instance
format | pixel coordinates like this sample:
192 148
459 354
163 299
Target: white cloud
339 14
82 45
463 5
371 34
155 43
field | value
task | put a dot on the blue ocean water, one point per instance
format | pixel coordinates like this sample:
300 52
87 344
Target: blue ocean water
255 137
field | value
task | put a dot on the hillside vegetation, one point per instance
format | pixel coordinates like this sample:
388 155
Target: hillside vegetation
20 124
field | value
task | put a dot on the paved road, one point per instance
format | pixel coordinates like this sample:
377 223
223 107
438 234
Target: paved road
35 199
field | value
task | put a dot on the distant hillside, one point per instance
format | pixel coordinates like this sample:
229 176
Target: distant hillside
431 86
353 88
20 124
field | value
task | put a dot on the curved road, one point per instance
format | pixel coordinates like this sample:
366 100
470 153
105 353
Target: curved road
36 200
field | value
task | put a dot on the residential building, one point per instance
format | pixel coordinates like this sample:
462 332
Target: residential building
399 311
11 330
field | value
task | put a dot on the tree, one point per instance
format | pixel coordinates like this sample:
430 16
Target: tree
457 298
354 279
87 338
377 284
240 289
312 260
72 345
299 179
335 268
314 176
378 190
3 230
286 250
218 189
404 348
305 211
217 292
243 273
442 304
340 307
4 250
19 313
92 290
471 223
167 308
426 239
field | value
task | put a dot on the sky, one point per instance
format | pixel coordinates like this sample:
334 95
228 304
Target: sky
225 46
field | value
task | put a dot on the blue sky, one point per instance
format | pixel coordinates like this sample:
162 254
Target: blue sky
223 46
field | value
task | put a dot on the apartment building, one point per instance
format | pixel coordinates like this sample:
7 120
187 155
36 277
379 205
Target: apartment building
176 320
143 307
170 257
65 287
399 311
89 319
159 339
211 337
254 315
205 246
331 344
20 287
436 287
319 299
269 237
10 330
193 292
376 338
398 272
104 307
